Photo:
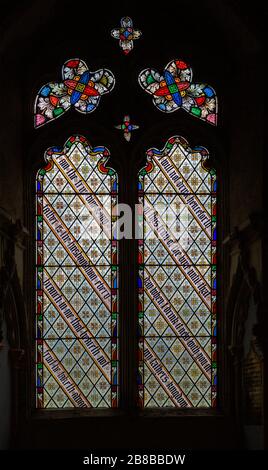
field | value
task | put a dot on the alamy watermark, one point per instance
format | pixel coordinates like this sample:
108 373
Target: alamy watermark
149 221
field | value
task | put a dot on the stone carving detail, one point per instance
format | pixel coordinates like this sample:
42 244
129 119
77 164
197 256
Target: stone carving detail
12 234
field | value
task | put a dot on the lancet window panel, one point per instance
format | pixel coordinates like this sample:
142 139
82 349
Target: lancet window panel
76 279
177 278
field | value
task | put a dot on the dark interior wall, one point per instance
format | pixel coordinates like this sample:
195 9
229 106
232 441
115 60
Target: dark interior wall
11 174
221 43
5 392
247 143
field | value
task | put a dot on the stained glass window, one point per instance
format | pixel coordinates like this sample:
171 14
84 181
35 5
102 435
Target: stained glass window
76 279
126 34
173 89
80 89
177 278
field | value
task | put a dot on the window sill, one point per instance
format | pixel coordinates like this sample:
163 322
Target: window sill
119 413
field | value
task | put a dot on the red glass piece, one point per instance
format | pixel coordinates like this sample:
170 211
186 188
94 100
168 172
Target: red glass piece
181 65
200 100
54 100
72 63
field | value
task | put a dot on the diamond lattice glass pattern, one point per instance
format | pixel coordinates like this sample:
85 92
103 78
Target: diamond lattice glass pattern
177 278
76 279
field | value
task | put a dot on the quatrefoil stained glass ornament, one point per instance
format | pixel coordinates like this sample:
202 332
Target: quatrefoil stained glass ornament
173 89
127 127
126 34
79 89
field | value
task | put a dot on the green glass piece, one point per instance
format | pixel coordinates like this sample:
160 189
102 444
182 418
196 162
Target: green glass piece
196 111
150 79
173 88
58 111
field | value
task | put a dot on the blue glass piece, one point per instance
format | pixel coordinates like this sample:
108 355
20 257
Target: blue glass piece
45 91
169 78
208 92
85 77
90 107
177 98
161 106
75 96
157 152
98 149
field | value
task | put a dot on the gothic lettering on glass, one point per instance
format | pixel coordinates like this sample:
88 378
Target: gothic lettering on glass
177 278
76 279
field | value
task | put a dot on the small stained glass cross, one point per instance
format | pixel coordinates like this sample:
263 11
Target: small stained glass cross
126 34
127 127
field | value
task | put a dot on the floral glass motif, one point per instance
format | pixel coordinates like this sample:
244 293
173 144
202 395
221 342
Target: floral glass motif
173 89
127 127
79 88
177 278
76 279
126 34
